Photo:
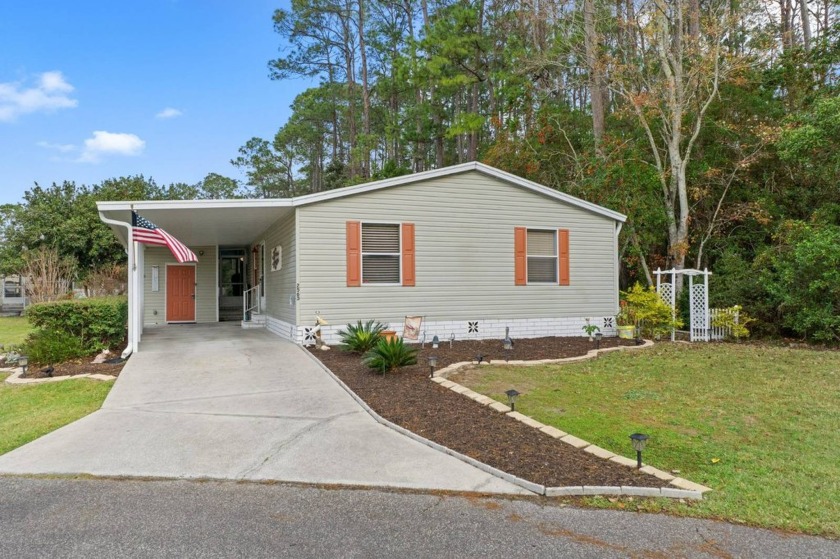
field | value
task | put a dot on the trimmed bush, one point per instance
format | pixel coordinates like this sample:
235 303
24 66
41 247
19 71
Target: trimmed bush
361 338
85 325
388 355
47 347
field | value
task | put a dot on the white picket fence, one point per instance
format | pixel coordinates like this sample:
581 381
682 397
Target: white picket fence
720 332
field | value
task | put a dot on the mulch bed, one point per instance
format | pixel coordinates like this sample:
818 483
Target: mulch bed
408 398
75 367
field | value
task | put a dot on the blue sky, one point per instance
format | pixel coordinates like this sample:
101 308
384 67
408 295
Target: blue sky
170 89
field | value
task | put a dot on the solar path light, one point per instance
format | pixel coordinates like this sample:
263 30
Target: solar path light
433 360
512 395
639 440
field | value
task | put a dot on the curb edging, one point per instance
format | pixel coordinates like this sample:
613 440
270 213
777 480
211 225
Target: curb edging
14 378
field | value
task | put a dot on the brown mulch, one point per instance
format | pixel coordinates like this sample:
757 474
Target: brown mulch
408 398
75 367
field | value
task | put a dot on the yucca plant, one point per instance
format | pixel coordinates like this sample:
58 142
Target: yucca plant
388 355
361 338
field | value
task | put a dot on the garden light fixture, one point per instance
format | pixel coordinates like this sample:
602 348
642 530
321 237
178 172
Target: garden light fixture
507 344
23 361
479 358
451 339
512 395
598 336
435 342
639 440
432 365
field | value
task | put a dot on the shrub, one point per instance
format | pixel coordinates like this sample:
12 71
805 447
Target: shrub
387 355
93 324
46 347
802 276
361 338
652 315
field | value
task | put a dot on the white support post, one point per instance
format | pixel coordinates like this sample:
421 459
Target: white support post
706 275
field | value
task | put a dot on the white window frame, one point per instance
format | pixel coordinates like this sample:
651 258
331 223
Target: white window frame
363 253
556 256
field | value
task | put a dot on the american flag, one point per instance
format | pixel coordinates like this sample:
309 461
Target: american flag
148 233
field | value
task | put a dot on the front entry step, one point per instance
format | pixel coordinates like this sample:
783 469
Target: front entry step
257 321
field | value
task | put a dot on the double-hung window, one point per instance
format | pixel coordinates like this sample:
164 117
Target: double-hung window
381 253
542 256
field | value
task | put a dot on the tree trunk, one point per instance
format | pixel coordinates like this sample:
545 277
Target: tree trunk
596 90
694 19
806 24
365 92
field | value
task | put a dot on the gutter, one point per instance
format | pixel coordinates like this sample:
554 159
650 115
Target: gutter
129 349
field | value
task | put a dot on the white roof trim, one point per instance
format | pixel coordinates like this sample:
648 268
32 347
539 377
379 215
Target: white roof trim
367 187
193 204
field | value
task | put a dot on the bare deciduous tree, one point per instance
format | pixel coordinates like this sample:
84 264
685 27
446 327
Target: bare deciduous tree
49 277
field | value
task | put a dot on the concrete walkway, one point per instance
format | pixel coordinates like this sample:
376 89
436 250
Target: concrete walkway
219 402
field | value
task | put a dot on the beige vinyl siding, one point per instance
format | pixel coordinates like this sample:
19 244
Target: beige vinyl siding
206 300
280 285
464 254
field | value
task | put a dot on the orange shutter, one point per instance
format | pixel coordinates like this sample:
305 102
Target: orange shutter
408 264
563 253
520 256
354 254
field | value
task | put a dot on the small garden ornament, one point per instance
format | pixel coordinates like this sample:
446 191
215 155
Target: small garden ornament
319 342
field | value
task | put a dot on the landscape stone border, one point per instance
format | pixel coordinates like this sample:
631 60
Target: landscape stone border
14 378
683 489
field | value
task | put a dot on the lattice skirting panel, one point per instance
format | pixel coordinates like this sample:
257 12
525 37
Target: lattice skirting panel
478 329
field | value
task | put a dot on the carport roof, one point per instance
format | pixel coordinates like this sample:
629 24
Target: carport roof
202 222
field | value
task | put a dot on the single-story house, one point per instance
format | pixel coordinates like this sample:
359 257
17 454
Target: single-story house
471 249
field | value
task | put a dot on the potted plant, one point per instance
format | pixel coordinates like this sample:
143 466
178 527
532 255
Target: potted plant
625 322
590 329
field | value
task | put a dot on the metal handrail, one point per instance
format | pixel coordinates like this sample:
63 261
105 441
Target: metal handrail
250 301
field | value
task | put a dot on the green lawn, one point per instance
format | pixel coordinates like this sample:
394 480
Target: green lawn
28 412
13 330
760 425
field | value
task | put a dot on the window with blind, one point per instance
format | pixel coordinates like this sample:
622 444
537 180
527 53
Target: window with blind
542 256
380 253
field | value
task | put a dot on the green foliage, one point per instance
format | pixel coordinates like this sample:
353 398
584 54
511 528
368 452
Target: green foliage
648 311
590 328
361 337
735 320
47 347
801 275
92 324
388 355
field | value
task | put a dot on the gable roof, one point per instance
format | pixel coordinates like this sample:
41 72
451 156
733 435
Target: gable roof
235 221
453 170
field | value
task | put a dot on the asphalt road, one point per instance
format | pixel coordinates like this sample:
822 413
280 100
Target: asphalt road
113 518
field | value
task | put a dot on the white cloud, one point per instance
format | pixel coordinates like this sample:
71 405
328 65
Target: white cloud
50 94
110 143
168 112
63 148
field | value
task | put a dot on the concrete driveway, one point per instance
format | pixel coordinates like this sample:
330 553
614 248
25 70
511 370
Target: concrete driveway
219 402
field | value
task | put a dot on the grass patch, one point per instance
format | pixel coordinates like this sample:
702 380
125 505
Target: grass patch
31 411
760 425
13 330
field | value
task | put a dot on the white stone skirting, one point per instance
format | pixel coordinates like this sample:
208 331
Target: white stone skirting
471 329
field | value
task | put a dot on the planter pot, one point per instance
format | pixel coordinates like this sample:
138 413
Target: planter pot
626 332
389 335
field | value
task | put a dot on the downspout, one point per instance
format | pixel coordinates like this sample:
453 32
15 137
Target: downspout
618 227
132 337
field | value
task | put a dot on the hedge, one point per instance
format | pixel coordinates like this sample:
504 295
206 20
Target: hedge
88 325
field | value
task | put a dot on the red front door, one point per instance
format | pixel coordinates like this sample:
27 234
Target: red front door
180 293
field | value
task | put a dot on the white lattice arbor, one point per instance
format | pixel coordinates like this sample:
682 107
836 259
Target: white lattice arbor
698 299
